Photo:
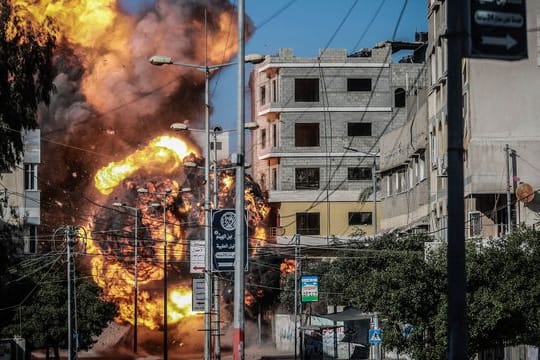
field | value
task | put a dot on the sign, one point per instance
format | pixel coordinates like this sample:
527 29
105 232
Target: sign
310 288
197 294
498 29
196 256
223 239
375 336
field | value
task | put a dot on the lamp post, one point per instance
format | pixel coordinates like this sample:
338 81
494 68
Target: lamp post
208 70
208 228
135 275
165 262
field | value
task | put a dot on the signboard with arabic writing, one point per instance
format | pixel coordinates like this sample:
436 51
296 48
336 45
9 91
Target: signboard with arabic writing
223 240
498 29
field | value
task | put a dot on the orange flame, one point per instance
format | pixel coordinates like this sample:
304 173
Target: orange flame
287 266
164 153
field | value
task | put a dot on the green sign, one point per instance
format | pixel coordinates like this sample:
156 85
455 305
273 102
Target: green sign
310 288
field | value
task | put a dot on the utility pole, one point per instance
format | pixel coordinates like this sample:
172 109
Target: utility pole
165 279
296 257
72 331
457 321
239 276
374 184
217 343
508 192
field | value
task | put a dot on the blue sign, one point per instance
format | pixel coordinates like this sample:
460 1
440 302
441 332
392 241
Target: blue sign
375 336
223 239
310 288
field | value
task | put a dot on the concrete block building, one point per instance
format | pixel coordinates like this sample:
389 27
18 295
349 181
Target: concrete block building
320 120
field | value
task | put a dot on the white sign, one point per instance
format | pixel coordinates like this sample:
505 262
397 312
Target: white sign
198 295
196 256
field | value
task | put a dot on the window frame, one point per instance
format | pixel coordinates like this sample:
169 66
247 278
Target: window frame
312 220
307 137
359 84
359 217
309 183
303 91
355 129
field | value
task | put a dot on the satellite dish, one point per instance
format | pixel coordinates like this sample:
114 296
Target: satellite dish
525 193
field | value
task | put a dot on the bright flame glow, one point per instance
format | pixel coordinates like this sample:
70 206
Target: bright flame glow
164 153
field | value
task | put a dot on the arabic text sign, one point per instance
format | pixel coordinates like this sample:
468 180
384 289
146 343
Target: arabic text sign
196 256
223 239
498 29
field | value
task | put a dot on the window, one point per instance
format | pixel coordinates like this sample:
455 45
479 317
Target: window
401 180
30 177
421 166
308 223
359 173
274 135
274 90
389 187
358 84
306 134
306 90
360 218
306 178
218 146
359 129
263 138
475 223
274 179
262 95
262 182
30 240
399 98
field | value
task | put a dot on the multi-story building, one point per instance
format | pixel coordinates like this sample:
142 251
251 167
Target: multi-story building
320 120
500 108
20 195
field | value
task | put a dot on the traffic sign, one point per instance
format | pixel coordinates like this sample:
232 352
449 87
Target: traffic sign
498 29
375 336
223 239
197 294
196 256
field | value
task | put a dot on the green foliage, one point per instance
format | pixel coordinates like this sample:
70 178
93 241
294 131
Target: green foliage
26 77
42 317
390 276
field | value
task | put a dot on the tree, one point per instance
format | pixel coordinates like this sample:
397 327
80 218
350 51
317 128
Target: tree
26 76
390 276
41 317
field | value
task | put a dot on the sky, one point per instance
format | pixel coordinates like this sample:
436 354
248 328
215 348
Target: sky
307 26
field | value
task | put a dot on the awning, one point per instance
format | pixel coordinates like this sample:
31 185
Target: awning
349 314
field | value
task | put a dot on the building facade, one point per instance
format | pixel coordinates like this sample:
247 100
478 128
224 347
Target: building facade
320 120
19 193
500 109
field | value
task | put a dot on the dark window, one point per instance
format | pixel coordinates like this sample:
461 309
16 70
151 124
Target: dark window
306 178
274 90
30 177
359 129
359 173
360 218
308 223
218 146
274 135
306 134
263 95
358 84
306 90
274 179
263 138
399 98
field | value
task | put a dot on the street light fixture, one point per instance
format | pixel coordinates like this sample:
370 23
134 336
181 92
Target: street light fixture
159 60
166 193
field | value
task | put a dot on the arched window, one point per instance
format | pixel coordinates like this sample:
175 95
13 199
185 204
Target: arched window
399 98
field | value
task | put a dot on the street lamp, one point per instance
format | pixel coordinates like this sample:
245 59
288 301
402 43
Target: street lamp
165 262
135 275
208 222
159 60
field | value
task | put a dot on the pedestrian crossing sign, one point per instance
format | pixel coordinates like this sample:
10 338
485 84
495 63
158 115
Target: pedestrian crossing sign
375 336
